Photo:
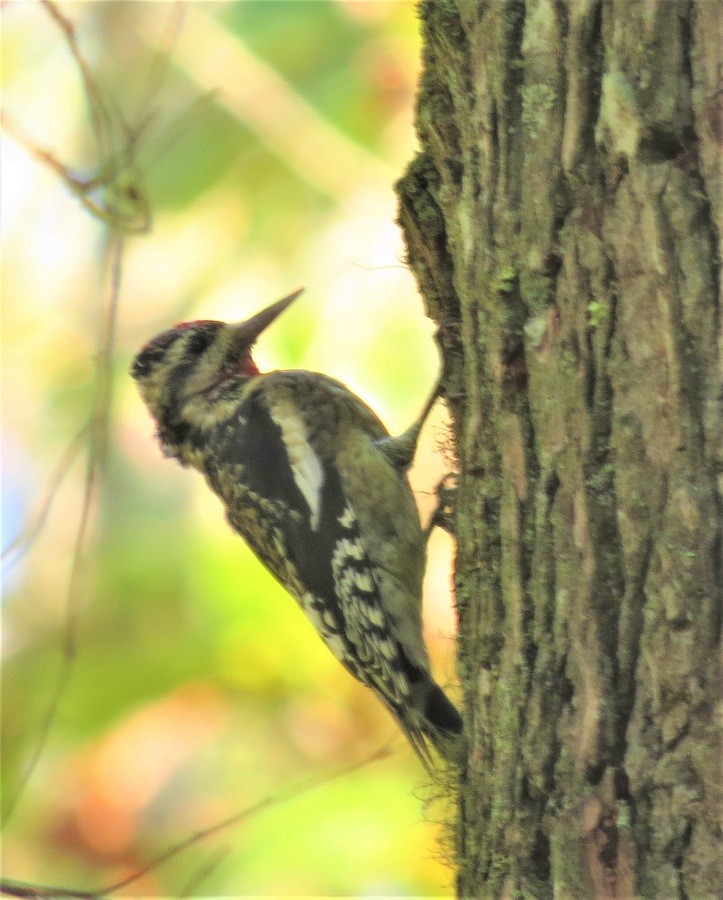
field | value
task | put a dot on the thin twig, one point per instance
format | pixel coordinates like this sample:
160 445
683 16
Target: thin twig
35 891
124 206
11 888
100 420
101 119
22 542
9 125
124 203
162 56
177 128
211 864
114 194
96 453
245 814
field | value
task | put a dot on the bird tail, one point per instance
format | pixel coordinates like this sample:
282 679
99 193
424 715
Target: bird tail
431 720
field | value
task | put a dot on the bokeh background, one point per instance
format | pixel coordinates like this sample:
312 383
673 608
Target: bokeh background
197 688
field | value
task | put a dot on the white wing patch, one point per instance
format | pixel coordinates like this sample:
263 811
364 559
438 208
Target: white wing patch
377 655
324 624
305 466
348 518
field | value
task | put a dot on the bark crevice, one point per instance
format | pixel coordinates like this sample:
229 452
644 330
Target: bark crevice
560 222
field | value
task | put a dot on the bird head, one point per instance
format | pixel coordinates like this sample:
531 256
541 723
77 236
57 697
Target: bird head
194 357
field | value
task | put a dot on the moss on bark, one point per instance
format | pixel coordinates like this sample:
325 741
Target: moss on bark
561 220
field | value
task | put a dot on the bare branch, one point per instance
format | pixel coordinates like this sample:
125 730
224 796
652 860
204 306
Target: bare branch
96 454
22 542
24 889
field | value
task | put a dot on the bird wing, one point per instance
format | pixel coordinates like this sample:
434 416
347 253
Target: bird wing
291 508
316 531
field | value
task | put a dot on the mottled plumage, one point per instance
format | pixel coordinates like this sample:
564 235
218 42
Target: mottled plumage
313 482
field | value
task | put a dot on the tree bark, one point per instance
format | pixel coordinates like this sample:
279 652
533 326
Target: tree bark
561 220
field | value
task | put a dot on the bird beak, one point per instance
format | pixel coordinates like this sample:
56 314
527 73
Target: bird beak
245 333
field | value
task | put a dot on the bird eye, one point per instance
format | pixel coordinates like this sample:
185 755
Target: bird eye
196 337
199 342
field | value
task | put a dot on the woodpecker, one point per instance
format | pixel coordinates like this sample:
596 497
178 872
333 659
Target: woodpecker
314 483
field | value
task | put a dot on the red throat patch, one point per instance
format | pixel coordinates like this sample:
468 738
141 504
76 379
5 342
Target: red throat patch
247 367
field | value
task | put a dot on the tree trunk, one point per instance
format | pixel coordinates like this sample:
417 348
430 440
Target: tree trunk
561 221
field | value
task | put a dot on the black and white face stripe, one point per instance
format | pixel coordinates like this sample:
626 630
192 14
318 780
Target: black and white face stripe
182 343
172 361
153 354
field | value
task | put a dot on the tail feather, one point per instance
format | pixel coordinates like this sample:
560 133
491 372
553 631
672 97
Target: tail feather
432 720
440 712
443 724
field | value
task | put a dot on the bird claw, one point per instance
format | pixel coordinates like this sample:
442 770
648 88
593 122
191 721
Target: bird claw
443 514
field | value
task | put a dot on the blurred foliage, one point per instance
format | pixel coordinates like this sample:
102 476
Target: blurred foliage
197 688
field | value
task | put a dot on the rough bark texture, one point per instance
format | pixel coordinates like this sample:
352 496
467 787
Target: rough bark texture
561 219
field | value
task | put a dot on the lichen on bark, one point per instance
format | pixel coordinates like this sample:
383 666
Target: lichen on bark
561 220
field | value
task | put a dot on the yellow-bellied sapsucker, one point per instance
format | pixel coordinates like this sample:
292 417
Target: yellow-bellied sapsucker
311 479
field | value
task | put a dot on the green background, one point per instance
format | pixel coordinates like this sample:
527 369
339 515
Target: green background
197 687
